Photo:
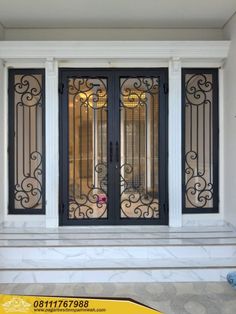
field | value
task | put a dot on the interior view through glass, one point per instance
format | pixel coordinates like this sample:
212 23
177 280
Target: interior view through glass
88 127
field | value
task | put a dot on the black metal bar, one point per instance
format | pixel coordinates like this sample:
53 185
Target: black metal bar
111 152
29 143
80 149
117 152
73 136
101 137
87 148
139 147
132 147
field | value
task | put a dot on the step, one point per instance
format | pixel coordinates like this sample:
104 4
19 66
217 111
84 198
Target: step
125 235
95 252
117 229
119 254
122 264
116 242
114 275
110 270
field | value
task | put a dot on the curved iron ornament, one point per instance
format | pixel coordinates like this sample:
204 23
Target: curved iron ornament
29 191
198 159
136 200
90 93
28 188
91 205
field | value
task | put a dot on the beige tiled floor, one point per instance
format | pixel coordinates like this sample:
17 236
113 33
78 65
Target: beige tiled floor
171 298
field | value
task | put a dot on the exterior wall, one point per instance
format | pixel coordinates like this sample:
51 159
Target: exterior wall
230 124
112 34
1 32
175 54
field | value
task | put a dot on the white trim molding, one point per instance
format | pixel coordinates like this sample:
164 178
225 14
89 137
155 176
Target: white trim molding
62 50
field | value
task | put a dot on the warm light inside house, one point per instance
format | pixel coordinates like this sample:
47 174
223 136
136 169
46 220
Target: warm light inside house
88 127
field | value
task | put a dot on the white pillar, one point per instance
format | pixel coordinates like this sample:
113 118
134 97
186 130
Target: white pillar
222 164
52 144
3 143
175 144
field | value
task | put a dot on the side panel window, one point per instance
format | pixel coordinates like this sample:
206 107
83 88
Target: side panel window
200 140
26 141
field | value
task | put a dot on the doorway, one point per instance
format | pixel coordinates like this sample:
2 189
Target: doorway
113 146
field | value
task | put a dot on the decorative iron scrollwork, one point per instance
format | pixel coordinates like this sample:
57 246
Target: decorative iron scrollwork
88 148
88 93
93 204
138 168
29 191
136 94
28 112
30 90
198 141
198 190
135 202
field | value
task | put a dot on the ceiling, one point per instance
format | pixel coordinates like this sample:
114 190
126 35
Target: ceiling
116 13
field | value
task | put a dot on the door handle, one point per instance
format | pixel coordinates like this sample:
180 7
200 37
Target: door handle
111 152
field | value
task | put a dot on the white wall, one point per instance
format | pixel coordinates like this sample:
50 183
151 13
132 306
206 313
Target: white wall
230 125
1 32
113 34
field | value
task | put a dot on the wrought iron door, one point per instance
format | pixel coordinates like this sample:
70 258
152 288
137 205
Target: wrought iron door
113 142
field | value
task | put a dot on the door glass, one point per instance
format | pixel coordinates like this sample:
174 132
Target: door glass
139 173
87 111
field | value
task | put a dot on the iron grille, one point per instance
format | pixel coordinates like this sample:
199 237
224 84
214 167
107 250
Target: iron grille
26 141
200 140
139 101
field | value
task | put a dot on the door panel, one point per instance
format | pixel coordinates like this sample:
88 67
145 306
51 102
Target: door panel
87 106
139 120
113 146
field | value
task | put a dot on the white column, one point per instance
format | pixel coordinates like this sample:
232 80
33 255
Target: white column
222 164
52 144
3 143
175 144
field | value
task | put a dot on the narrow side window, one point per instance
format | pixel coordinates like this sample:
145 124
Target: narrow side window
200 140
26 112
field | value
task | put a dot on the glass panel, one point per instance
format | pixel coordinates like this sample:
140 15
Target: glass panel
28 141
139 107
198 140
87 106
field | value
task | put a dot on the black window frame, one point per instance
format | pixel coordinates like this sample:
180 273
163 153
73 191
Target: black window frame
11 146
215 138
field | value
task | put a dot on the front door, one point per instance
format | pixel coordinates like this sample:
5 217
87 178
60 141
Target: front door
113 146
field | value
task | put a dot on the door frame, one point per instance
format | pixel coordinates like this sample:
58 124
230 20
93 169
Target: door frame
64 73
162 143
113 75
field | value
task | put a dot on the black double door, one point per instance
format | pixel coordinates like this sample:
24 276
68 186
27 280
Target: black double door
113 146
